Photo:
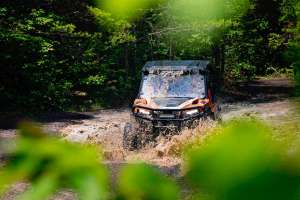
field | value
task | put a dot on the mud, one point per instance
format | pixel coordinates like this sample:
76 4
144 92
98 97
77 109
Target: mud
269 100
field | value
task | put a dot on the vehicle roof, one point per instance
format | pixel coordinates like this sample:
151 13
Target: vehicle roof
176 65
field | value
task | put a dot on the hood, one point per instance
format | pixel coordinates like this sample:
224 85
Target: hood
169 102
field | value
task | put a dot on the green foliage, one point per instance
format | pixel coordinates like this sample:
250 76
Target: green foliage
204 11
52 50
50 164
192 29
294 47
117 29
94 80
275 41
54 164
243 71
242 161
48 56
140 181
260 36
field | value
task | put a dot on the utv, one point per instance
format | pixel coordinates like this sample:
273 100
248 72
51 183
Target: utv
172 95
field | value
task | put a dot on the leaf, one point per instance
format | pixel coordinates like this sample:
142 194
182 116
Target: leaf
141 181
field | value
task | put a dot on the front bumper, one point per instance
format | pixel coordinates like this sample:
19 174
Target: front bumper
169 118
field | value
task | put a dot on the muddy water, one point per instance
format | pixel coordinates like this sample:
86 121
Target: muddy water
105 129
268 100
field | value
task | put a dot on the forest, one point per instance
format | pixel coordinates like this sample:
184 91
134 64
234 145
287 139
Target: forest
72 125
85 54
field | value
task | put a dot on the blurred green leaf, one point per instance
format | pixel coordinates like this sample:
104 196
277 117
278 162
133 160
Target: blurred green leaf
243 162
141 181
50 164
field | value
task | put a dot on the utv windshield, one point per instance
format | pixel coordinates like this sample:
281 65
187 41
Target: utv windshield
172 84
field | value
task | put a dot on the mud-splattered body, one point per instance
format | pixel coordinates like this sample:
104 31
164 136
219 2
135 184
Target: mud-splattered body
174 94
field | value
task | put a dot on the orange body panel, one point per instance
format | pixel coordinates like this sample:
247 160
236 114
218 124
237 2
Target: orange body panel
192 103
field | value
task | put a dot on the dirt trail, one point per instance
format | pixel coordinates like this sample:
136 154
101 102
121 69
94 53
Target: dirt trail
266 99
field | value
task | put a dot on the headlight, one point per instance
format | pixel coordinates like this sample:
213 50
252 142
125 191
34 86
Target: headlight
191 112
143 111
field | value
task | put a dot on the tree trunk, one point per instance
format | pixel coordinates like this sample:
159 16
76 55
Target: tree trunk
126 58
222 60
217 58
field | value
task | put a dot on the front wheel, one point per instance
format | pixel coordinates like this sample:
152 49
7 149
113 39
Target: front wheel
131 137
136 135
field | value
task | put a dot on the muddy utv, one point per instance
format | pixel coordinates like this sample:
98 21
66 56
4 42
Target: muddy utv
172 95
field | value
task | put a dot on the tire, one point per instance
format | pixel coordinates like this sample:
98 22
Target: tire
130 137
135 135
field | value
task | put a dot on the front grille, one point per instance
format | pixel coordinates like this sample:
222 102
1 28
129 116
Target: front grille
166 114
